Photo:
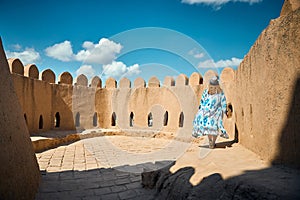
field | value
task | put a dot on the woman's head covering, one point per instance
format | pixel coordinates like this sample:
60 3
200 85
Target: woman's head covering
214 81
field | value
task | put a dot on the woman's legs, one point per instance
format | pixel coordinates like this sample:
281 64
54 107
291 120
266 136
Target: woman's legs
212 141
214 138
209 139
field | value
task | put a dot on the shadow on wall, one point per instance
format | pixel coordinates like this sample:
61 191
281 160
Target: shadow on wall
289 142
62 115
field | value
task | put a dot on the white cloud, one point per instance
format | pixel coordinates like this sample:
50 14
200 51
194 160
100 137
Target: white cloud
87 70
217 4
196 54
134 69
199 55
114 69
88 45
103 52
61 51
221 63
118 69
28 56
16 47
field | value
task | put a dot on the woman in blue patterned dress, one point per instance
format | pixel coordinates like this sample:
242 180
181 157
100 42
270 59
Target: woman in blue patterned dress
208 120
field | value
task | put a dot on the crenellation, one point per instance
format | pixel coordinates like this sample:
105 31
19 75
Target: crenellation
65 78
47 75
63 95
182 80
227 75
16 66
139 83
153 82
110 83
81 80
195 79
96 82
31 71
169 81
125 83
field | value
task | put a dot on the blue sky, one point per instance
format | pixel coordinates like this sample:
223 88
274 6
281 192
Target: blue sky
133 37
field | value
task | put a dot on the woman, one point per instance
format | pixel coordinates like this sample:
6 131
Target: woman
208 121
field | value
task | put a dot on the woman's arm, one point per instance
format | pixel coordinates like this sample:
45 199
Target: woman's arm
223 103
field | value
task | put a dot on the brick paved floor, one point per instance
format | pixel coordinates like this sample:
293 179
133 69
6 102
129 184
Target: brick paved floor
109 167
106 167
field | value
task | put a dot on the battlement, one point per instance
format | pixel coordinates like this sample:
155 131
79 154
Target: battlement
47 75
65 102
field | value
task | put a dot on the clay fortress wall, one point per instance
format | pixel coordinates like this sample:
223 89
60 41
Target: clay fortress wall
49 104
263 94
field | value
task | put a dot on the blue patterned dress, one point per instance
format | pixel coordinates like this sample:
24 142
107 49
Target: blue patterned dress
208 120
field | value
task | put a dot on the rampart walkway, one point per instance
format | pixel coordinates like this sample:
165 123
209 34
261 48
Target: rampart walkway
109 167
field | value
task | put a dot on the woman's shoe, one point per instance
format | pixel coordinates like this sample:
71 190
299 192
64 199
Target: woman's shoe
226 136
212 145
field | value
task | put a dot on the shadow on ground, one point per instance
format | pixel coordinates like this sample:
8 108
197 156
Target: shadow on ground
92 184
270 183
105 183
115 183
